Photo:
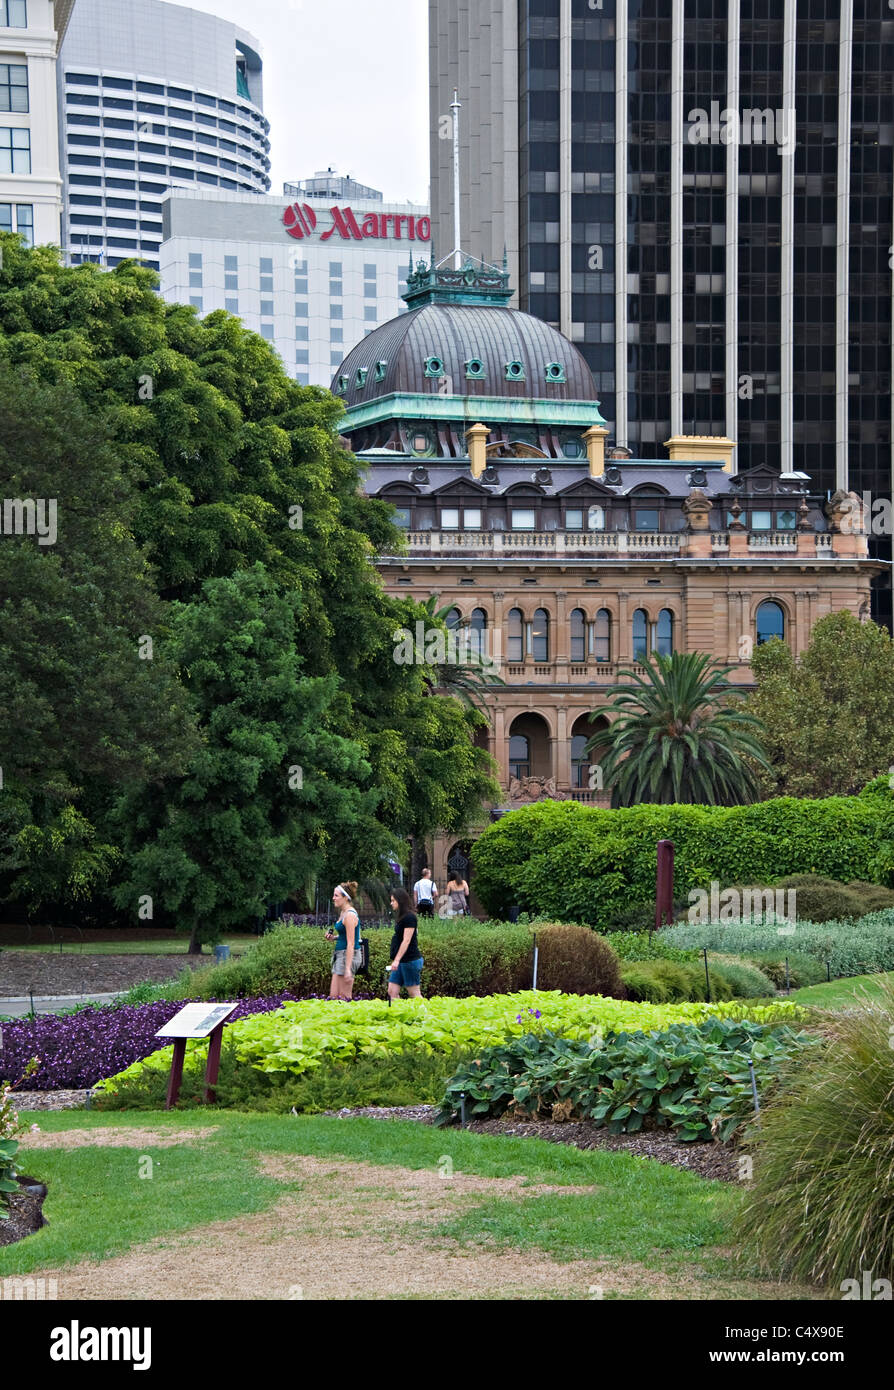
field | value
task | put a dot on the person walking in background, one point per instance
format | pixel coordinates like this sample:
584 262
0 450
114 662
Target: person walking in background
424 892
405 966
457 897
346 957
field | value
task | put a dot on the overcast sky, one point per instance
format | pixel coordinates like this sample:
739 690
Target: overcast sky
345 85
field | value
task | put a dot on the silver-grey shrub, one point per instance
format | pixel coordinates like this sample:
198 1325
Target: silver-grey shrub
851 948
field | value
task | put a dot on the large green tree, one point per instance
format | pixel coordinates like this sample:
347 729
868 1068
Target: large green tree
273 797
87 690
232 464
828 716
677 735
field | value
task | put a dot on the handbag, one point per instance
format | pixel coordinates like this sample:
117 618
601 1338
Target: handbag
363 947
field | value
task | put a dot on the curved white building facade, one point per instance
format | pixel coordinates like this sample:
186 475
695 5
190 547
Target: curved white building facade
152 97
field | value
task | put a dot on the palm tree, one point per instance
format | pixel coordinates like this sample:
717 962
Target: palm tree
468 679
678 736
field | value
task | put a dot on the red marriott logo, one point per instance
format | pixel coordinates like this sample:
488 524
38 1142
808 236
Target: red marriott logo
300 221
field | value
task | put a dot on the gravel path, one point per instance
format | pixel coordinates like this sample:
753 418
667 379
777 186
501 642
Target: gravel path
77 974
49 1100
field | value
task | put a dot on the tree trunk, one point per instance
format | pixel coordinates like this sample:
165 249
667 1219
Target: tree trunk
418 860
195 946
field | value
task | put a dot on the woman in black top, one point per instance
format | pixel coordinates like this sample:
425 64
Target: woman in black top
405 967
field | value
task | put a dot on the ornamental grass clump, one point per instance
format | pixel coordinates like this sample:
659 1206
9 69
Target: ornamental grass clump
821 1209
577 961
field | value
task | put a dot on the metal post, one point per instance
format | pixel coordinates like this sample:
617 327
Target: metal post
536 957
664 884
462 1109
707 976
455 106
757 1104
788 987
829 971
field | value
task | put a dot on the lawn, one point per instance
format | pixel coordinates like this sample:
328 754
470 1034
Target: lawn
510 1217
841 994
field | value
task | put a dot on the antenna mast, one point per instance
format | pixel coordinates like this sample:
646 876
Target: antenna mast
455 107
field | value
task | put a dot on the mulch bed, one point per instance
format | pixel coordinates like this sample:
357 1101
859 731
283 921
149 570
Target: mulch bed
24 1218
72 973
706 1160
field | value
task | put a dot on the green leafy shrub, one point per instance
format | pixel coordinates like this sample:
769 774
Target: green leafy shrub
851 948
575 960
410 1077
872 896
302 1036
581 863
820 1207
462 957
822 900
645 945
694 1079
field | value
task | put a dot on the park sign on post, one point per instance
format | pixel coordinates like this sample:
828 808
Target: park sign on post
195 1021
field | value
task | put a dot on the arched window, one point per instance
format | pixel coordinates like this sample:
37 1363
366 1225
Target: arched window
596 519
580 763
663 641
770 622
602 635
477 629
540 635
516 643
578 635
519 756
640 635
454 619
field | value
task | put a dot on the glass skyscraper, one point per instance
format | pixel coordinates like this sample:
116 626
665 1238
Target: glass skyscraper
700 194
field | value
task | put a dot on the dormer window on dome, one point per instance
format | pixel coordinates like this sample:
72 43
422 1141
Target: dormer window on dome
434 366
343 383
475 369
515 371
381 369
555 372
360 380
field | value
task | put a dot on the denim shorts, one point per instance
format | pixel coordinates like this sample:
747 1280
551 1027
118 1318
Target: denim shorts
408 973
338 961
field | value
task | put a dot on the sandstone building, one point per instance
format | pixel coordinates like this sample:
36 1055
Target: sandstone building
568 560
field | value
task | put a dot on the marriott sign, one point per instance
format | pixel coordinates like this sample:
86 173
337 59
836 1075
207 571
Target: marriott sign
300 222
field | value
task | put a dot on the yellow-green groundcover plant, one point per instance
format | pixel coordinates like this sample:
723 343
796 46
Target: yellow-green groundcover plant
298 1037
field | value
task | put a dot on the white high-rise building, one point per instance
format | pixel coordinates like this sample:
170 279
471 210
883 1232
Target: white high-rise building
152 97
313 276
30 179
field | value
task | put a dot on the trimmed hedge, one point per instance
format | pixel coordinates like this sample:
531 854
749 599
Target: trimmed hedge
460 960
561 859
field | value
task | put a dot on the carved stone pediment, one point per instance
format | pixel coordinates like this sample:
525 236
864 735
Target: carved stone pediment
523 790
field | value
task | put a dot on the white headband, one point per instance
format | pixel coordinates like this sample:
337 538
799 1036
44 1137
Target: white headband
344 892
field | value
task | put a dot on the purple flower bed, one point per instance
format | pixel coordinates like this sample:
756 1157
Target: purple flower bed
77 1050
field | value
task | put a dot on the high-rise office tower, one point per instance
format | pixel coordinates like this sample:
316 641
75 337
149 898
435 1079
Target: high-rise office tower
152 97
30 177
699 193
